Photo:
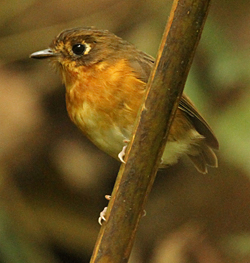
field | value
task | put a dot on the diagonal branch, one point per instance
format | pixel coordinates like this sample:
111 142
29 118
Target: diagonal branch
136 177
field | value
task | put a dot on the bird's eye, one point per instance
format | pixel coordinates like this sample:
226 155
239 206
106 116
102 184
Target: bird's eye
79 49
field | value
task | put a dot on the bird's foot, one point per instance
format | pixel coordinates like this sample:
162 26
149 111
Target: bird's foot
123 152
102 217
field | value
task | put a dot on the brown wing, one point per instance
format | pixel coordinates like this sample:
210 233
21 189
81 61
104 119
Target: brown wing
198 121
142 65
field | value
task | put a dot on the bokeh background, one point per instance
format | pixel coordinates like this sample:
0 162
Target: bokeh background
53 180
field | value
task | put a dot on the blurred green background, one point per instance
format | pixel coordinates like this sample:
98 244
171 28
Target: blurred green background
53 180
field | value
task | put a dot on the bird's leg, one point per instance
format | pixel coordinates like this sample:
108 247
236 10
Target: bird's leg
123 151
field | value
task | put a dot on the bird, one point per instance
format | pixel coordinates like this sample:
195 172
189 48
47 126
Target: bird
105 78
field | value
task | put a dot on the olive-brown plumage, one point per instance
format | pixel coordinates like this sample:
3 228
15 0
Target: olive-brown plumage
105 79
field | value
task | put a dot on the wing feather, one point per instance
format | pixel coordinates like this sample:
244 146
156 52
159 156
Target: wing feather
142 66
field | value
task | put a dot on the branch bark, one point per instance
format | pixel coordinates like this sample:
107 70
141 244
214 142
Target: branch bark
165 86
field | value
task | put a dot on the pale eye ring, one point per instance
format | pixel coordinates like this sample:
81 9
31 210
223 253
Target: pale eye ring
81 49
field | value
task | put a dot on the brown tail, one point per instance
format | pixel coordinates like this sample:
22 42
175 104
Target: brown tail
203 156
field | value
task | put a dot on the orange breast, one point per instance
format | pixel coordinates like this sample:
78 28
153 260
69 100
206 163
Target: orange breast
103 101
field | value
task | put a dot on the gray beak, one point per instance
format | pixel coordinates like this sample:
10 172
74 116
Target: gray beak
46 53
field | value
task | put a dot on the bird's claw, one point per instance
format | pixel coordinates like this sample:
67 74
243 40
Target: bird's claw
102 217
122 154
